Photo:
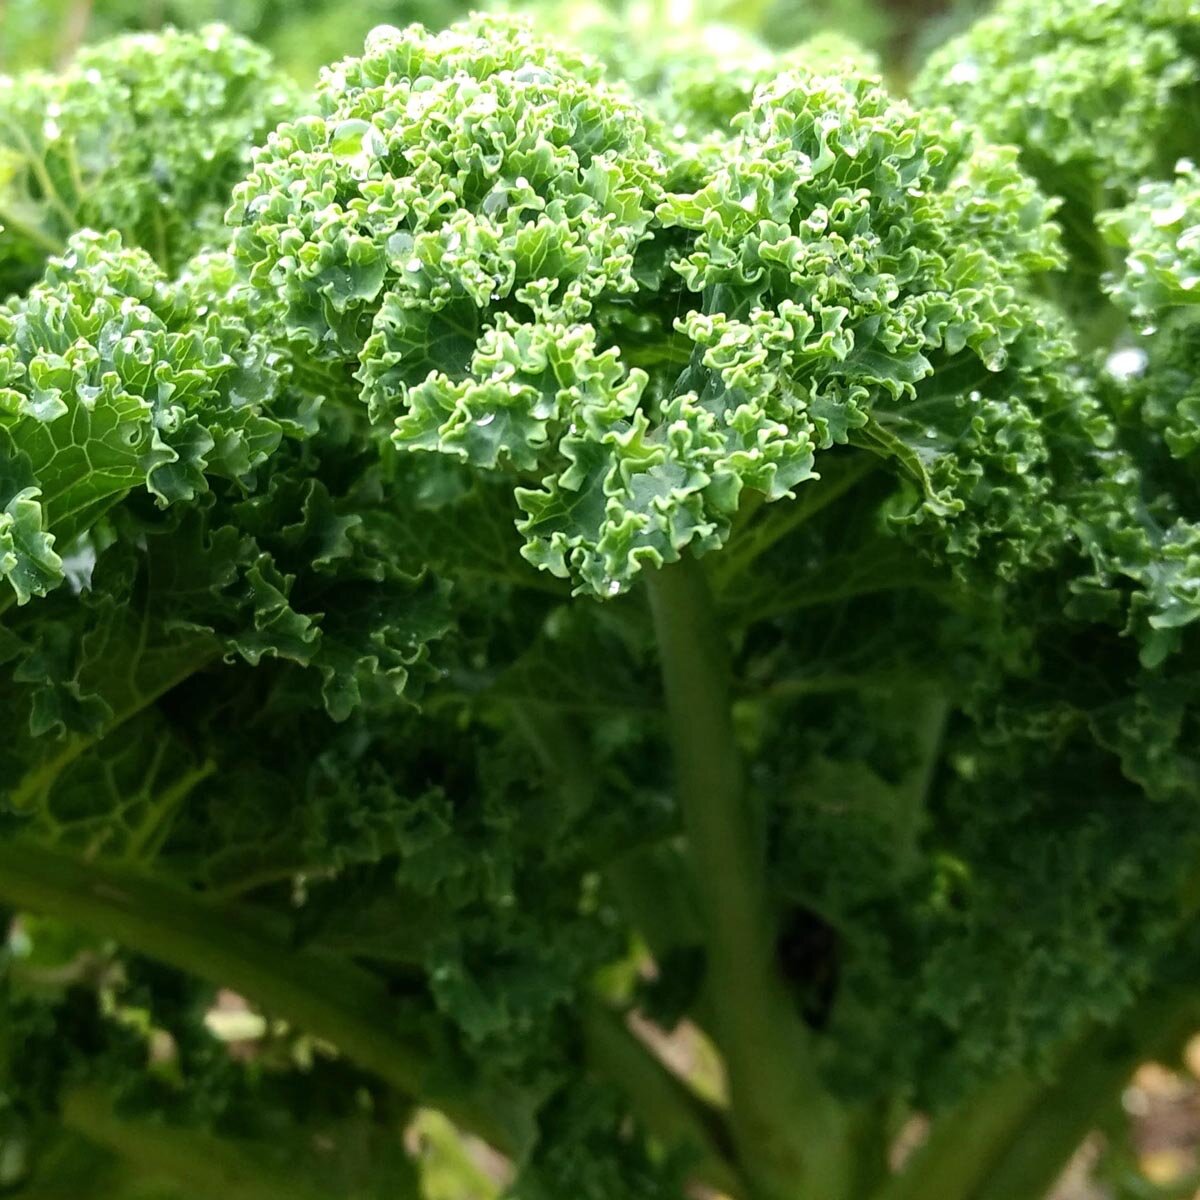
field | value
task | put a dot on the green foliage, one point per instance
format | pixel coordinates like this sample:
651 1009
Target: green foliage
1158 236
1098 96
145 135
113 382
1151 383
483 296
1095 93
625 532
840 302
694 76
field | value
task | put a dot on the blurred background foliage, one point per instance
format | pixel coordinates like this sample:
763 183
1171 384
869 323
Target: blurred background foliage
306 34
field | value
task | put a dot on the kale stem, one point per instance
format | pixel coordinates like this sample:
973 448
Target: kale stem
661 1100
228 947
50 192
964 1143
208 1167
74 31
790 1133
1016 1135
46 241
1091 1079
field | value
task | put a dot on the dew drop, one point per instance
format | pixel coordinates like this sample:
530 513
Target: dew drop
1127 363
486 419
347 139
400 243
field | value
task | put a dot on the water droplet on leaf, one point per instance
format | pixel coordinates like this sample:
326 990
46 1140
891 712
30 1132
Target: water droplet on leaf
1127 363
347 139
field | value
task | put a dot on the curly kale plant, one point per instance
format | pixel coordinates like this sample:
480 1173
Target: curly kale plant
643 603
1097 96
145 134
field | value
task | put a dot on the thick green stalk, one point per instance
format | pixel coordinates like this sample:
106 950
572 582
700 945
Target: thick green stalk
333 999
1013 1140
320 993
1057 1124
1089 1083
790 1134
204 1166
965 1143
46 241
661 1100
